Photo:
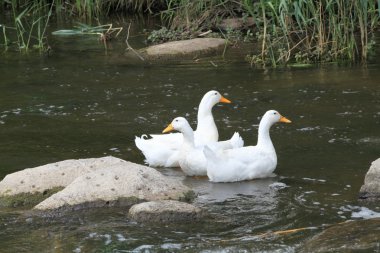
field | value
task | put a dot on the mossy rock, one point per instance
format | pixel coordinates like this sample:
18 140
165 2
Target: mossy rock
27 199
188 196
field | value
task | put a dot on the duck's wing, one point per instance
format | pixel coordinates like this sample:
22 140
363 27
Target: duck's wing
236 141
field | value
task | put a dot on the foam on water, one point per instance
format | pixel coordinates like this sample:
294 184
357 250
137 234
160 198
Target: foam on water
365 213
358 212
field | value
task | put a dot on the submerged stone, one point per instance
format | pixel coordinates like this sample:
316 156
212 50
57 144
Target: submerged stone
165 211
370 191
123 184
352 236
32 185
184 49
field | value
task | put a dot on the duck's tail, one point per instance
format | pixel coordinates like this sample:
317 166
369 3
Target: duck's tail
154 155
140 143
236 141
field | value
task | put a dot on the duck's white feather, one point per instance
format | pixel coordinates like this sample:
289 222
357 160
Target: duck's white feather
245 163
190 157
162 149
236 141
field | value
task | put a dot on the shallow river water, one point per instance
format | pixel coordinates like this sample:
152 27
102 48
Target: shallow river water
82 102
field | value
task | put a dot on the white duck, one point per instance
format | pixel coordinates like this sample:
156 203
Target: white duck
190 157
247 162
162 150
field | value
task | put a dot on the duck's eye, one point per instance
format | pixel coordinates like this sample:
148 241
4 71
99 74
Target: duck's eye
275 113
176 120
216 93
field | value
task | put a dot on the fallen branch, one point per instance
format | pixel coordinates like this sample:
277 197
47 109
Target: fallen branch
129 46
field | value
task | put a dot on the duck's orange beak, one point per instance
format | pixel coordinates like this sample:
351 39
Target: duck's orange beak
284 120
168 129
224 100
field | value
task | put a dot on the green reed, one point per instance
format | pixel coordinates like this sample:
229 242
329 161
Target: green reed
29 26
300 31
313 31
94 8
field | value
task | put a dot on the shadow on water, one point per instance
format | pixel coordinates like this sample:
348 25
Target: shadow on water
81 102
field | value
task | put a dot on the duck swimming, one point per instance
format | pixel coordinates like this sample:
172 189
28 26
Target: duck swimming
162 149
248 162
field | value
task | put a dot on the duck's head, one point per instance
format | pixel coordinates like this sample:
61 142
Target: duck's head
180 124
273 116
214 97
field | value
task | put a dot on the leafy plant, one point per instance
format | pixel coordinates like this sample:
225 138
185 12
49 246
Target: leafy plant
29 26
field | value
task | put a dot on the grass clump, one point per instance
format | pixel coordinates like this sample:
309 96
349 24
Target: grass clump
29 26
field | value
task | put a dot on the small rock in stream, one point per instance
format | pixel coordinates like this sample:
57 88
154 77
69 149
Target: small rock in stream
165 211
370 191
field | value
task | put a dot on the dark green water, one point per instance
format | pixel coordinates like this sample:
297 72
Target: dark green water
81 102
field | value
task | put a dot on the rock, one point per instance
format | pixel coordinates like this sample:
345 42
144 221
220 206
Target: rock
353 236
165 211
370 191
184 49
236 23
123 184
30 186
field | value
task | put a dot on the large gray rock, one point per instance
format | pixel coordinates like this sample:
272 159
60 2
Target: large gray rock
354 236
123 184
184 49
31 185
370 191
165 211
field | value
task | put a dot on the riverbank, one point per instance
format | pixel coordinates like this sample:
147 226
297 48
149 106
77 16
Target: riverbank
306 32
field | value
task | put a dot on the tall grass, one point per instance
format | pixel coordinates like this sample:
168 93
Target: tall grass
29 26
313 31
286 30
94 8
198 14
289 30
91 8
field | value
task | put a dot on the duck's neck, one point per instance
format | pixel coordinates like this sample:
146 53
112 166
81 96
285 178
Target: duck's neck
206 123
263 139
188 137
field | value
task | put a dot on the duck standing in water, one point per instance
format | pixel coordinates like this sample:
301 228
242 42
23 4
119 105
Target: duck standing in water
249 162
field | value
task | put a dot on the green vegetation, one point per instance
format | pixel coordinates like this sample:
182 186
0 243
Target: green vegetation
27 199
314 31
286 31
282 31
29 26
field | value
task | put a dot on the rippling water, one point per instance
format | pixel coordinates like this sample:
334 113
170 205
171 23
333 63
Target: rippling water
80 102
